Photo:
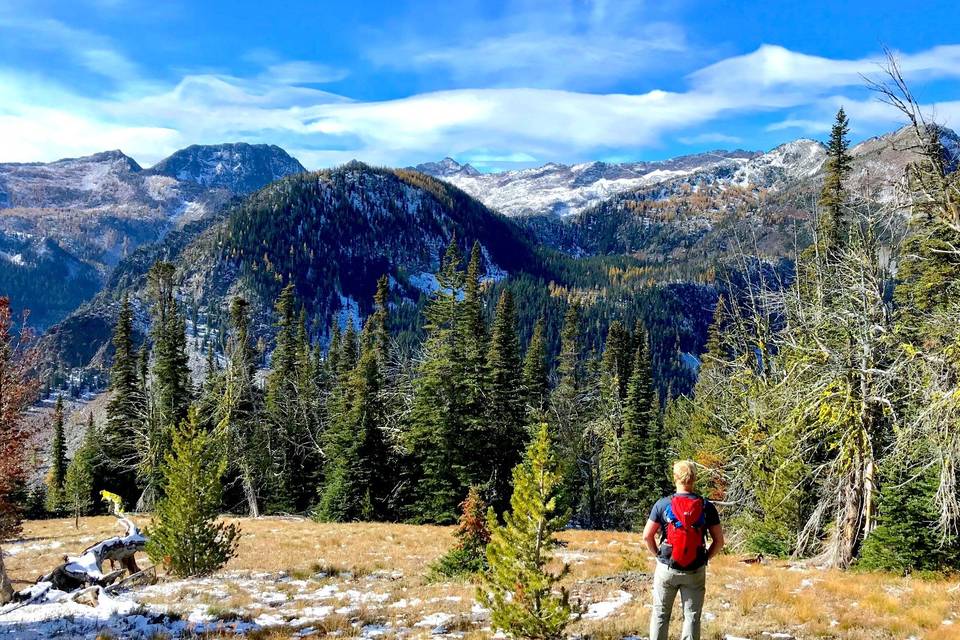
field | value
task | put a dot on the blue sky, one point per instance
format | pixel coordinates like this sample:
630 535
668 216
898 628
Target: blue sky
498 84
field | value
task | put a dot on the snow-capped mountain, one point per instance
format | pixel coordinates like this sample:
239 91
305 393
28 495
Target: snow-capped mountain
97 209
795 160
765 200
239 167
569 189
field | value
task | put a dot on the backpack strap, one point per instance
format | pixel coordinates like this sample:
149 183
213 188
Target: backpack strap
671 517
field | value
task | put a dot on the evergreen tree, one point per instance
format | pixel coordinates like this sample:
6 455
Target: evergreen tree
170 385
568 405
906 537
469 555
832 225
56 477
126 412
472 341
239 410
521 593
357 479
171 373
536 371
617 356
640 474
185 533
281 403
381 322
503 442
437 462
78 487
333 353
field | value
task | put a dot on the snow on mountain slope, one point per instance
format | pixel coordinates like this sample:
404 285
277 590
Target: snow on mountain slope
568 189
99 208
240 167
794 160
565 190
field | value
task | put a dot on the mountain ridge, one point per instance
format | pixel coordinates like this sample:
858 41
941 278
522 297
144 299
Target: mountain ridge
99 208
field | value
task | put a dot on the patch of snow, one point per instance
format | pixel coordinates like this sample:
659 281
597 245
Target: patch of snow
349 313
435 620
16 258
425 282
15 548
604 608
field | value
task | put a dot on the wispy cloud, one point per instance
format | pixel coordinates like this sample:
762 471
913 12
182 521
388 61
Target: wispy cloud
88 50
281 103
556 45
710 138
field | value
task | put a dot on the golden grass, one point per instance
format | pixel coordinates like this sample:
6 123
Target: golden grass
392 560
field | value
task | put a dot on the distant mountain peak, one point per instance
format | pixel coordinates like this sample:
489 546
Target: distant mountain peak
114 156
563 189
238 166
446 168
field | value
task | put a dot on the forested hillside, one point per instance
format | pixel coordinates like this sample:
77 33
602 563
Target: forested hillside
333 234
65 225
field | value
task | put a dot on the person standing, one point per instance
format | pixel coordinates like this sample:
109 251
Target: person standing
683 521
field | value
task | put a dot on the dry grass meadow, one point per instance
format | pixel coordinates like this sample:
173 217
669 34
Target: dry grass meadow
369 579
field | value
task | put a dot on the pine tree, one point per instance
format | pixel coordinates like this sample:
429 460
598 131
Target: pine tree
126 411
472 341
536 371
381 322
437 462
171 373
521 593
56 477
239 410
78 487
281 406
357 478
832 197
640 473
906 537
618 356
566 403
503 440
469 555
185 534
171 389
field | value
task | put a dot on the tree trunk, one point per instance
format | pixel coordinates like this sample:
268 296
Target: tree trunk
6 589
251 494
869 488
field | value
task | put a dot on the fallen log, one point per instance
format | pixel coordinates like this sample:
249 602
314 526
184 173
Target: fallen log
86 569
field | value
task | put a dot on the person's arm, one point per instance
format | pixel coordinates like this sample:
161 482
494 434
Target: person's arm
650 536
716 541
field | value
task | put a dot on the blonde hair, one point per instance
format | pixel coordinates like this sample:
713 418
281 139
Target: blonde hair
684 472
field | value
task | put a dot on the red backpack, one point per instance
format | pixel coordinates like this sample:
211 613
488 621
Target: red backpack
685 529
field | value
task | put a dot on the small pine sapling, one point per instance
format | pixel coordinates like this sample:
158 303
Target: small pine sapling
185 535
469 554
524 597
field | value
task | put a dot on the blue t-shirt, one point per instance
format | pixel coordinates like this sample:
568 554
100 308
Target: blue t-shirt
658 514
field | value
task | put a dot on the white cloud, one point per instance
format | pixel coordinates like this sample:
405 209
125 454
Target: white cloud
772 68
40 120
807 126
710 138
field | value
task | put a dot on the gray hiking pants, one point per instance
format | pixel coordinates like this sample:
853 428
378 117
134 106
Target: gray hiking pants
666 582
